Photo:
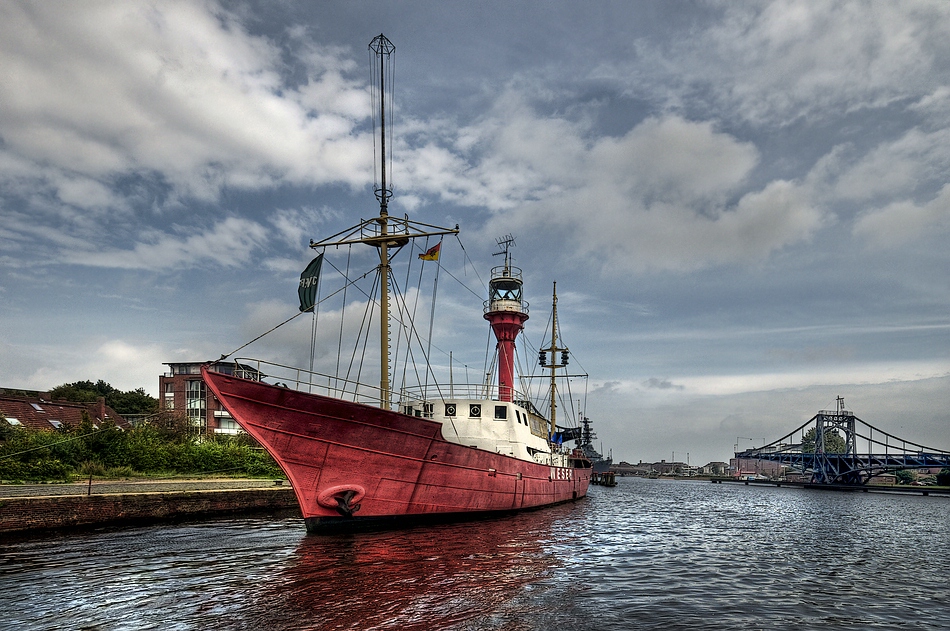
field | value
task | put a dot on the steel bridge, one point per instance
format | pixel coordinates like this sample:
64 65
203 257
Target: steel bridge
836 447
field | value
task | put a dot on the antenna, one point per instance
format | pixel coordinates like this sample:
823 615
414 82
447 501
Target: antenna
505 243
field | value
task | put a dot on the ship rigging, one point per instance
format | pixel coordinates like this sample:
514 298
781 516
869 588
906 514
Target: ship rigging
353 461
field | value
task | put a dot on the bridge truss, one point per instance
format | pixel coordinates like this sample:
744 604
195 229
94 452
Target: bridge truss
866 451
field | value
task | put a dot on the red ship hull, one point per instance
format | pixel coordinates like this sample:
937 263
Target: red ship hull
352 465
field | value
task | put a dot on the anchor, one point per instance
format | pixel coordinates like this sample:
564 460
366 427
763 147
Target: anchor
343 498
343 503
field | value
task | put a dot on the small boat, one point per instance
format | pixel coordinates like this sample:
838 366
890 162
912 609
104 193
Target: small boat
362 457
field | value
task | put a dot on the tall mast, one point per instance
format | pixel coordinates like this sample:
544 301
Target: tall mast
554 364
384 49
383 232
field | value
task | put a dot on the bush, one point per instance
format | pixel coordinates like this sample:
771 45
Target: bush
109 452
91 467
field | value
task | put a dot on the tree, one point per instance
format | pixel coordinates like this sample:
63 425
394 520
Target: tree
905 477
173 426
130 402
834 443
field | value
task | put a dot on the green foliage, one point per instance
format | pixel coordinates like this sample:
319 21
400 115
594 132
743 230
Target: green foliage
27 454
905 477
130 402
943 478
834 442
173 426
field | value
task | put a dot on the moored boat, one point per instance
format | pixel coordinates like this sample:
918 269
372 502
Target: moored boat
361 457
599 462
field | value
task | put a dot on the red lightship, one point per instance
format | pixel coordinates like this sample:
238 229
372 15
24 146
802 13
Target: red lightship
355 462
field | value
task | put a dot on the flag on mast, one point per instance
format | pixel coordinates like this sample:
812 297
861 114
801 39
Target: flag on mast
307 291
432 254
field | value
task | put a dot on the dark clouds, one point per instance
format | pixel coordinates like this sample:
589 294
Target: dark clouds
742 204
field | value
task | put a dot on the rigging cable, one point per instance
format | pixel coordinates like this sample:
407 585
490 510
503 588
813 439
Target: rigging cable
298 314
339 347
367 317
435 291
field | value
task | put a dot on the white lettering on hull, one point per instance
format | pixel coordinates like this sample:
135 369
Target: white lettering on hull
561 473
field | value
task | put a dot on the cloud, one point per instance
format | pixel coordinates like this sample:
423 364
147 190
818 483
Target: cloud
175 92
901 222
125 365
656 197
893 169
661 384
794 58
228 243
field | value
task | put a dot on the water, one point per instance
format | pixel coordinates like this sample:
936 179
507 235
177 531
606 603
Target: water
648 554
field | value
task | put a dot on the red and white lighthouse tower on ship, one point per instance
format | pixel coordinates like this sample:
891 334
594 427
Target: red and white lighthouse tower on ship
507 311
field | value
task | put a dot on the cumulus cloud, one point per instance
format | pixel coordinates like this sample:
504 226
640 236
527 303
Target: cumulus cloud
125 365
893 169
228 244
794 58
901 222
667 183
177 91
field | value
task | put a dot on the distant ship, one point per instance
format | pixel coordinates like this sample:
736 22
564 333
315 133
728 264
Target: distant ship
355 462
599 463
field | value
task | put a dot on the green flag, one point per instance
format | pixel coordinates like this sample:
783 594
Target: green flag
308 284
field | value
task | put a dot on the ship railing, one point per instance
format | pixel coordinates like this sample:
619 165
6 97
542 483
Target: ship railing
459 391
309 381
496 306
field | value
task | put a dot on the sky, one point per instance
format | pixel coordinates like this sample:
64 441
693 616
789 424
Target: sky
745 206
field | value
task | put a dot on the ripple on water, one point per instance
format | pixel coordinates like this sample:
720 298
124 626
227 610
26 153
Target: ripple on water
643 555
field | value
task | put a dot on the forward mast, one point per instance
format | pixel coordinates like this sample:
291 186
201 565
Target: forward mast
387 234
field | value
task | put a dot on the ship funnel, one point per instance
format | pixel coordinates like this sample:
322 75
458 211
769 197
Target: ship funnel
507 311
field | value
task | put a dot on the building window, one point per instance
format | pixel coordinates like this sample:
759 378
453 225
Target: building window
169 395
196 402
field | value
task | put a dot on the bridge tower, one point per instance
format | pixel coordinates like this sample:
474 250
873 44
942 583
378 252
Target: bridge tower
830 468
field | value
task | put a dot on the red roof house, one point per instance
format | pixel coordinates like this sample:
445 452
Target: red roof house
41 413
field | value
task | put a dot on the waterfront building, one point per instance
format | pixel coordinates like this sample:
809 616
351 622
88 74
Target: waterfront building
716 468
182 389
37 410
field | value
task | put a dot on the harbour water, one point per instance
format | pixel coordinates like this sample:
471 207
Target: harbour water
647 554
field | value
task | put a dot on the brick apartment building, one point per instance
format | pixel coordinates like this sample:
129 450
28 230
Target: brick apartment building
182 388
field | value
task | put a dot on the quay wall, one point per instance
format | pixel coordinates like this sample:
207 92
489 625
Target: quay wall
35 514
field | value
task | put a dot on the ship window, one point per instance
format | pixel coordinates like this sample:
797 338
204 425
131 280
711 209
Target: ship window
506 290
474 410
450 409
501 412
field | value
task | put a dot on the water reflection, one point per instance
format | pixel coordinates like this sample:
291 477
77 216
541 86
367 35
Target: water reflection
644 555
424 578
